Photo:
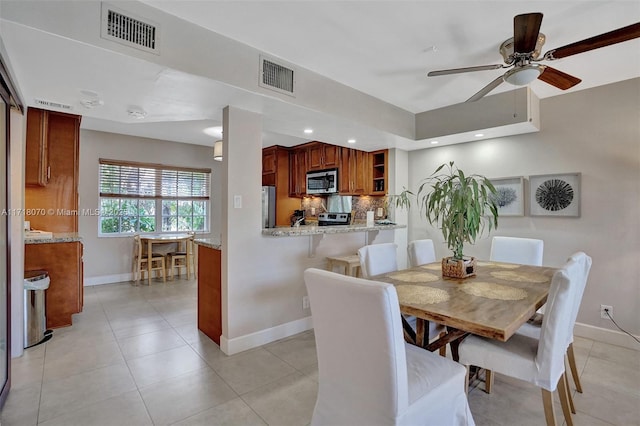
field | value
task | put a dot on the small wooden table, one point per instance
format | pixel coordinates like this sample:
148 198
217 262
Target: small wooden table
493 304
350 263
178 239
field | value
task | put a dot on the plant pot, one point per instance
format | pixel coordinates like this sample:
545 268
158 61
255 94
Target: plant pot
453 268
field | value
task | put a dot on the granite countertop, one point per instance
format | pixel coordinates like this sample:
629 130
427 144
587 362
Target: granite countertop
57 237
212 243
285 231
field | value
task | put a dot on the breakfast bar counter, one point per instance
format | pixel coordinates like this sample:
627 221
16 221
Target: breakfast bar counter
305 230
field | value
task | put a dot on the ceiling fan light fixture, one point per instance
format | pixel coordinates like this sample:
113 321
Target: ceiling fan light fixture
521 76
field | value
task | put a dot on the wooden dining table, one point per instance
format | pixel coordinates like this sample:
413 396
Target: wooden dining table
181 240
494 303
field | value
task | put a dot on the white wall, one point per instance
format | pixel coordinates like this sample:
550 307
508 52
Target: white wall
108 259
595 132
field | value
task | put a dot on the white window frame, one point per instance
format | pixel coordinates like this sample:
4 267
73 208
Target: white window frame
152 183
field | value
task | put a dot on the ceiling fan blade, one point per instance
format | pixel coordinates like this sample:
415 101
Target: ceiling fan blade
525 32
559 79
612 37
465 69
486 89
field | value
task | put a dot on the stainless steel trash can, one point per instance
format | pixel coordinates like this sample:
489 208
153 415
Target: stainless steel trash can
35 320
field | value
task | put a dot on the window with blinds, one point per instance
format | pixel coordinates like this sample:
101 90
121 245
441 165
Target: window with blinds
139 197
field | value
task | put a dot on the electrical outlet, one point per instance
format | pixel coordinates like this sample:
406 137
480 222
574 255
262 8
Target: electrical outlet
608 308
305 302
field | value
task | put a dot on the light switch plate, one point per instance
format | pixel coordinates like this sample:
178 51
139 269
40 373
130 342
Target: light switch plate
237 201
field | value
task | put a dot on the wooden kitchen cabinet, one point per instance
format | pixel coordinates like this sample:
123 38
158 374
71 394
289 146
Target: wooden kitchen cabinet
55 205
322 156
269 165
37 153
275 172
379 172
354 172
63 262
298 172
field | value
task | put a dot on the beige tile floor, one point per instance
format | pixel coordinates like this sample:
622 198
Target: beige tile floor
135 357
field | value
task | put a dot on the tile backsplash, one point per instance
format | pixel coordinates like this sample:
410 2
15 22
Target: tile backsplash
360 205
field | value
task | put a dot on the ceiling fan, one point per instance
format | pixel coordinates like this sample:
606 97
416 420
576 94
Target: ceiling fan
521 53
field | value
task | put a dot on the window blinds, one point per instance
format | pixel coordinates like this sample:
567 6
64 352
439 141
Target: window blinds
123 179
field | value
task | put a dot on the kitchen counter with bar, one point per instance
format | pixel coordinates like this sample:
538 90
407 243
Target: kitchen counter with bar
40 237
305 230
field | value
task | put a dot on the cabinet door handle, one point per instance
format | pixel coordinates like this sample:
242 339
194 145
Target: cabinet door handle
48 172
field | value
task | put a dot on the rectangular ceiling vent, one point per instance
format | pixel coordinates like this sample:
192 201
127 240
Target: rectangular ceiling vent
130 30
49 104
277 76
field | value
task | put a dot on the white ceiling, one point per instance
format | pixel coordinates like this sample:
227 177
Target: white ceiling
381 48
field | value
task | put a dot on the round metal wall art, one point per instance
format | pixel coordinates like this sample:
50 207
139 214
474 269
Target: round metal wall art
554 195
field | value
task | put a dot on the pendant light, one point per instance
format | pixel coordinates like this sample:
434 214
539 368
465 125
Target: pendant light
217 150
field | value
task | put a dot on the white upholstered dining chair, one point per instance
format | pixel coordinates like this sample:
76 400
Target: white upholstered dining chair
367 374
533 329
421 252
376 259
526 251
539 361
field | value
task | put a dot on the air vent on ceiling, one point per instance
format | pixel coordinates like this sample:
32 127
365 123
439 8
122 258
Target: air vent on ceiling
50 104
130 30
276 76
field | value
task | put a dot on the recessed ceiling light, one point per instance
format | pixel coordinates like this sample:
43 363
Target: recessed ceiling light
351 141
434 142
479 135
213 131
308 131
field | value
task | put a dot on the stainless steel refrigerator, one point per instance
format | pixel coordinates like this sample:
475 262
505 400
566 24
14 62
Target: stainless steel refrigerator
268 206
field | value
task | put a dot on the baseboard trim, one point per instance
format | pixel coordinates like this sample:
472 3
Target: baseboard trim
604 335
107 279
262 337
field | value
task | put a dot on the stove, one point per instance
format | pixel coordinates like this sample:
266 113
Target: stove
332 219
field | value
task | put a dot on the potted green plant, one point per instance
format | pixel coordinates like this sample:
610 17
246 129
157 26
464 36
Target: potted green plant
462 206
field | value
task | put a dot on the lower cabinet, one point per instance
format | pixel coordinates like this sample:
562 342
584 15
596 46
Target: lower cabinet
210 292
63 262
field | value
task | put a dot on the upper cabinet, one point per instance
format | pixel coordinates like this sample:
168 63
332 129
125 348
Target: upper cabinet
379 172
270 165
322 156
58 146
298 172
354 172
37 154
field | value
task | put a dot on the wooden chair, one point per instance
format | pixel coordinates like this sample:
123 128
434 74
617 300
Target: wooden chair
367 375
140 260
182 259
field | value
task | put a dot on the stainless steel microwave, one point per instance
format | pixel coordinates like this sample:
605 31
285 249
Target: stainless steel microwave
322 182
